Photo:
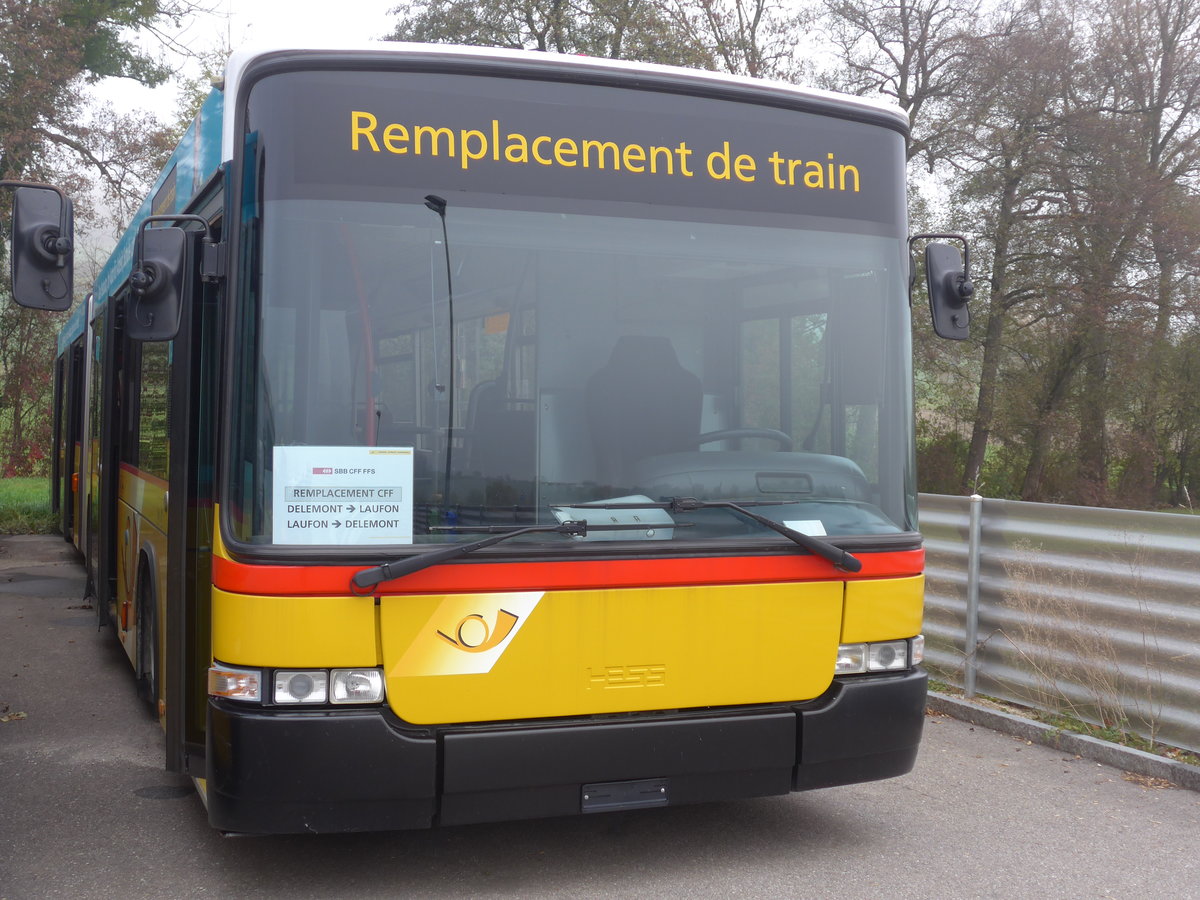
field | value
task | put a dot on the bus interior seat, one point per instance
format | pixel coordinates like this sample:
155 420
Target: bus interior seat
641 403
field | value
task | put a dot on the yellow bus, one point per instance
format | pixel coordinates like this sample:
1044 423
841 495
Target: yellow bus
461 435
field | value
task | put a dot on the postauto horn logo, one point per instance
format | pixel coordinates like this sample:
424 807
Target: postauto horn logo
466 634
473 635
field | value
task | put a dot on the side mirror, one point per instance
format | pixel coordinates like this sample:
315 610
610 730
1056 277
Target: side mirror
161 262
42 252
948 278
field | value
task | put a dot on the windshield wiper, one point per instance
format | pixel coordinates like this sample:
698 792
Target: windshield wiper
836 555
369 578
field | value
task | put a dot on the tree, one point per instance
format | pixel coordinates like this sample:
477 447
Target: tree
1011 98
756 38
48 49
1149 56
1076 159
914 51
615 29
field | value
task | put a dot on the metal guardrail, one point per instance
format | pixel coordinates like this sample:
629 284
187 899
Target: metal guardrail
1090 612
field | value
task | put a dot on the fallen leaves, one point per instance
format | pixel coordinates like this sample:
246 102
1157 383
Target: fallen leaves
1148 781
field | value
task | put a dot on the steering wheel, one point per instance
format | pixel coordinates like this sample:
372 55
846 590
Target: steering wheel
728 434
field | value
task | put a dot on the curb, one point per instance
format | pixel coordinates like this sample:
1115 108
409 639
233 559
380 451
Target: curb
1138 762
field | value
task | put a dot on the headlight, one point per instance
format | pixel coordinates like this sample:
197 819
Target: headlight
851 659
295 687
356 686
885 656
308 686
888 657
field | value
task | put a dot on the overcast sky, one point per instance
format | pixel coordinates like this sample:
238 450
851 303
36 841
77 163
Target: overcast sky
238 22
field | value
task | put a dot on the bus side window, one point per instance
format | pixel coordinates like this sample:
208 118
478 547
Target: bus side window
154 427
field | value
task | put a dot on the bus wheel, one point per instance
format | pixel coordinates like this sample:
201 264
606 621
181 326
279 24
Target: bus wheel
147 642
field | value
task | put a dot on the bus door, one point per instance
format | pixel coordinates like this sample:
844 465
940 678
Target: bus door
142 411
103 428
59 440
70 425
186 591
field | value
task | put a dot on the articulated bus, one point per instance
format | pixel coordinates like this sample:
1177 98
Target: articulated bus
462 435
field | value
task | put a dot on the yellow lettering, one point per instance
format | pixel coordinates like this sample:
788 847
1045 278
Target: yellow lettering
356 129
395 134
793 165
776 161
469 155
471 145
815 176
633 157
718 163
433 134
601 147
744 167
517 150
668 157
684 151
845 170
565 151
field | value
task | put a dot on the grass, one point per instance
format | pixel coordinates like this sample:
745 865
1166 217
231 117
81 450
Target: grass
25 507
1114 735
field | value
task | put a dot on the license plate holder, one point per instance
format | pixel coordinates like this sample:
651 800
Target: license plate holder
608 796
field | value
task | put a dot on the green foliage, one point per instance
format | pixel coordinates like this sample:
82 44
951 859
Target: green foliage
27 348
939 461
103 26
25 507
46 50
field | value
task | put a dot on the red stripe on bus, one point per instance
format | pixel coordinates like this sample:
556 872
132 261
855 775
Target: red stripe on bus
308 580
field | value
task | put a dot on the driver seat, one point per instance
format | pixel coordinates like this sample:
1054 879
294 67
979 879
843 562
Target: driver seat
641 403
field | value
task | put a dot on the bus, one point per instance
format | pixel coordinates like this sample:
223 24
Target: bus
463 435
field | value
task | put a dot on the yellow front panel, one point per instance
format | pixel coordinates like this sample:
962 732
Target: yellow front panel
463 658
294 632
883 610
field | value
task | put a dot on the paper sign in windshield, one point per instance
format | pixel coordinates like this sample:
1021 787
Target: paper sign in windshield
343 495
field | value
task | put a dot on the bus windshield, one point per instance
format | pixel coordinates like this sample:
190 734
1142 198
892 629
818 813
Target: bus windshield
418 365
534 361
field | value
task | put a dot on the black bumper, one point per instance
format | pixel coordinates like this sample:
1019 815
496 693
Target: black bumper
278 772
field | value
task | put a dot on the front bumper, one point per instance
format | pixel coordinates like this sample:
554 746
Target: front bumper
272 771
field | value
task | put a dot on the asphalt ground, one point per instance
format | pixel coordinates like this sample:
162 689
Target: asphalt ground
86 810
